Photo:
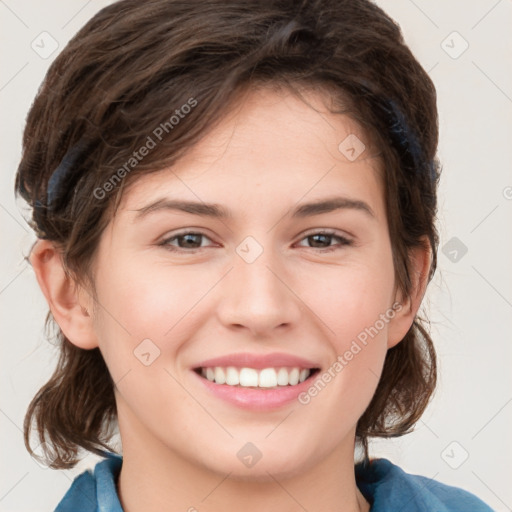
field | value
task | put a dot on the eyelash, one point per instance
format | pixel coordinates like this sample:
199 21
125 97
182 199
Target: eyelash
345 242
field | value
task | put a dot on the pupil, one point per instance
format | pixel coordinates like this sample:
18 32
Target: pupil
316 236
187 238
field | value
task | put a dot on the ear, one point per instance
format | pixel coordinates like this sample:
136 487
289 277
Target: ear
399 325
70 306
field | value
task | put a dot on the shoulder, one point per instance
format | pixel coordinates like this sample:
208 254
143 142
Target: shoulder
388 487
94 491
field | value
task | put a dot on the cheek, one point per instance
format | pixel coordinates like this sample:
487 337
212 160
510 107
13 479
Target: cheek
134 306
350 301
354 304
146 300
142 310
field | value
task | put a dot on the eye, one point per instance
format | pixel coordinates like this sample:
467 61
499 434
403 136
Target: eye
323 237
190 239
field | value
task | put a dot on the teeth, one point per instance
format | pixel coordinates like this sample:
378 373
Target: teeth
293 377
250 377
268 378
232 376
218 375
210 373
282 377
303 375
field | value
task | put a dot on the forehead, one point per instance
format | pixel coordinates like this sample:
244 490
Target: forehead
274 145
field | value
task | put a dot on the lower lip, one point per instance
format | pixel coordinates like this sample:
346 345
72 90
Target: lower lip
257 399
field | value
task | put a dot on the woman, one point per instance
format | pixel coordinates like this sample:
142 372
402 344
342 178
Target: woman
242 371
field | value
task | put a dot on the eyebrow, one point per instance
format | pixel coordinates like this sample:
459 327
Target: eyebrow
220 212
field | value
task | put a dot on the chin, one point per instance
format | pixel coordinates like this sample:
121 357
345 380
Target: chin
268 468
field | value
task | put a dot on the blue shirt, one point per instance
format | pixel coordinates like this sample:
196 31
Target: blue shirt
386 487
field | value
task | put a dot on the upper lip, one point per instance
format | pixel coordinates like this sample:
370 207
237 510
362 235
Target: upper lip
246 360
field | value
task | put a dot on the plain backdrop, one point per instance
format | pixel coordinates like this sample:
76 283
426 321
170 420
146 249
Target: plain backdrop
464 438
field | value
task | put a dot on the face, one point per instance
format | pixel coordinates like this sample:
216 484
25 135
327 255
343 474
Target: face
265 287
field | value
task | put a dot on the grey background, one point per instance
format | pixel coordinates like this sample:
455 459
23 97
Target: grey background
464 438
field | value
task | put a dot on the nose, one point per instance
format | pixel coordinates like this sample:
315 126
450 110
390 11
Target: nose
259 295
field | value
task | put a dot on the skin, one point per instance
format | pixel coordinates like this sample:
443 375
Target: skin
269 153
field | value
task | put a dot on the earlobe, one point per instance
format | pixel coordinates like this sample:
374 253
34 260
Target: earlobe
70 312
420 258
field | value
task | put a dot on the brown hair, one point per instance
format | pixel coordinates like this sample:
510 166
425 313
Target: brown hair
128 70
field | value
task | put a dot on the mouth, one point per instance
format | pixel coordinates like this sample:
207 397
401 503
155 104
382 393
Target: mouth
256 378
256 382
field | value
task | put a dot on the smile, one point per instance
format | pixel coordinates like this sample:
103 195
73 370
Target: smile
256 378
